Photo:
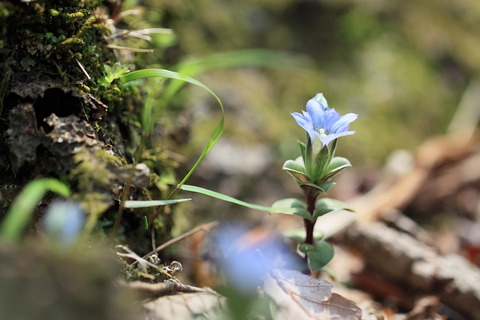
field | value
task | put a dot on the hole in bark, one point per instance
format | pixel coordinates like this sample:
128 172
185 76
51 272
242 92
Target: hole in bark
58 102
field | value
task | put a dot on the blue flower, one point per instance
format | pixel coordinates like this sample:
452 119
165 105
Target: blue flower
246 263
64 222
323 122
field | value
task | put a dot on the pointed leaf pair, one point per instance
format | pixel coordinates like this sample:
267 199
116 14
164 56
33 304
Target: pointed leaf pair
299 235
322 187
336 165
291 206
318 254
327 205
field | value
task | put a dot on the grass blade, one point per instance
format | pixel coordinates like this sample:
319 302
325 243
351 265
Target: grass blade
217 132
22 207
133 204
223 197
262 58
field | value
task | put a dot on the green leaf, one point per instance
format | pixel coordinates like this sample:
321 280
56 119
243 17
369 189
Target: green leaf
326 186
291 206
132 204
299 235
223 197
296 168
303 150
327 205
318 256
321 162
306 248
22 207
336 165
323 187
307 159
217 132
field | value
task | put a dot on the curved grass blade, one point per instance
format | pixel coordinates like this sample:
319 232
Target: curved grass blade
262 58
22 207
245 58
223 197
134 204
217 132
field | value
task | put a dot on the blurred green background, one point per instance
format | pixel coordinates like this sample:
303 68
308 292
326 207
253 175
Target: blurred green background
403 66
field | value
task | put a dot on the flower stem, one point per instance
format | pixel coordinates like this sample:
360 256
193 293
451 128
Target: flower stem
310 224
309 230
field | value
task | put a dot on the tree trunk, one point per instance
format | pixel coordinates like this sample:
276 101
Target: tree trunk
56 120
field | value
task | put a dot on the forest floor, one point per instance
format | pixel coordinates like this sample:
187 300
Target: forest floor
411 250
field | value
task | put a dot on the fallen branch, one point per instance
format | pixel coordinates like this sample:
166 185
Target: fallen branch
167 287
204 227
402 258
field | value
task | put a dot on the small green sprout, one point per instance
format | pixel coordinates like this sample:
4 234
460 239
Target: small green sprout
112 73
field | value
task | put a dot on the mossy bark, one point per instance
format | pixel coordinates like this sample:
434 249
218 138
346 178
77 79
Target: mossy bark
56 120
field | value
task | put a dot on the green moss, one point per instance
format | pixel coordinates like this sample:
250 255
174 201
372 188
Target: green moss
95 178
71 42
95 203
64 40
57 35
93 170
54 12
72 17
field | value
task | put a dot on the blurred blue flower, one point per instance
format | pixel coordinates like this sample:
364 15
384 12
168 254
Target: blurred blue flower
323 122
246 262
64 222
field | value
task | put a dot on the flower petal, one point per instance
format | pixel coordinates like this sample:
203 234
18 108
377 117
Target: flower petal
305 122
329 138
330 118
343 122
316 111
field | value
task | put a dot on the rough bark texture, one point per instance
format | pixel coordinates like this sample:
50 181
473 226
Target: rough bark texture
54 117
